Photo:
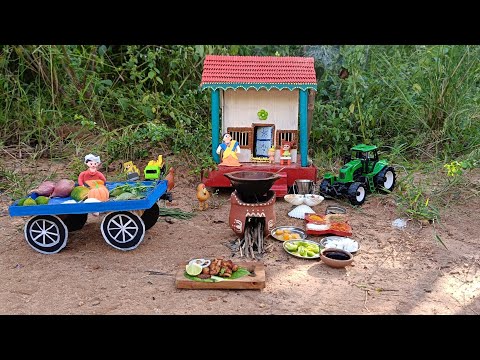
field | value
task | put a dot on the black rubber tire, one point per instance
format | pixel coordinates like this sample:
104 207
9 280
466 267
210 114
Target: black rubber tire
324 188
150 216
116 232
356 193
385 180
46 234
74 222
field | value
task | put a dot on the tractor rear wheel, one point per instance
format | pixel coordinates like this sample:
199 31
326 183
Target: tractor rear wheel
385 179
356 193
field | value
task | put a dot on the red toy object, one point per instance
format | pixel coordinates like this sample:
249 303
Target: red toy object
322 225
285 155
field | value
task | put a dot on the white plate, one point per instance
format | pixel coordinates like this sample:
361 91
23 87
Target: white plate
316 256
202 262
340 242
293 230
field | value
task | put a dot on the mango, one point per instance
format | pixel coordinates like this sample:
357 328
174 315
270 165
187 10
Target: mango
29 202
42 200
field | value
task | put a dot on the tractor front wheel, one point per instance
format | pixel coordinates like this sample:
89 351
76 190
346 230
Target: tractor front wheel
385 179
356 193
325 188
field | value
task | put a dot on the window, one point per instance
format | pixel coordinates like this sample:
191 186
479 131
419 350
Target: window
264 139
243 135
287 135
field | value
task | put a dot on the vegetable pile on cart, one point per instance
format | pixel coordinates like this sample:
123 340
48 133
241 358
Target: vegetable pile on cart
131 208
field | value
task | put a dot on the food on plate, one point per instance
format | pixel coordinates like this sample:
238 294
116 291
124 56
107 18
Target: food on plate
336 218
302 248
291 246
315 217
218 267
317 227
339 242
343 227
284 233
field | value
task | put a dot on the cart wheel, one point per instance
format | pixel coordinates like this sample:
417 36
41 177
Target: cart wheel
150 216
123 230
74 221
46 234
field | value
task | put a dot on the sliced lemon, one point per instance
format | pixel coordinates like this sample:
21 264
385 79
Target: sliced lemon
193 269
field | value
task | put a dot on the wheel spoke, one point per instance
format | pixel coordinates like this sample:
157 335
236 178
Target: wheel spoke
123 235
113 221
116 236
35 231
35 238
52 233
53 240
128 222
131 228
50 227
129 233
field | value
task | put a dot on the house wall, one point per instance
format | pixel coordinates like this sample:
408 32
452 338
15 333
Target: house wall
240 108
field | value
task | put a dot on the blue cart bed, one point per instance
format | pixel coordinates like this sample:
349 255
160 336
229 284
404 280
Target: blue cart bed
123 226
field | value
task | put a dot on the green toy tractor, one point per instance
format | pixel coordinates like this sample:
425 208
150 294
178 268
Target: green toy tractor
360 173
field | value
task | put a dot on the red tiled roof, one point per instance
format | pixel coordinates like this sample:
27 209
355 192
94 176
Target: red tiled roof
258 70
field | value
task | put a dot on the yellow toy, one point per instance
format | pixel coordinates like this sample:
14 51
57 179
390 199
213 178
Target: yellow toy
131 170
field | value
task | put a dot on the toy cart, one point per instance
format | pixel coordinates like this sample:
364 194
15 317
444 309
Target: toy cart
123 226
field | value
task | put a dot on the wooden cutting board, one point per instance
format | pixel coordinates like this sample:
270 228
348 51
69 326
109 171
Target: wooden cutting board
254 281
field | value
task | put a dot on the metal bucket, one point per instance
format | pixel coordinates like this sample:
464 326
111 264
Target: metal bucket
304 186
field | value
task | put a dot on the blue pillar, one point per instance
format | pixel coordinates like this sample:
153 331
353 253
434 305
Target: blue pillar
215 123
303 127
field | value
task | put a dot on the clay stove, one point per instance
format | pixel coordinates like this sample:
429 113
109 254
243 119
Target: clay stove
252 214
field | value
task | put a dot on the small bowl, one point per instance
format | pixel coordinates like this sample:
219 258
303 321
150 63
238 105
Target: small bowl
312 199
336 263
294 199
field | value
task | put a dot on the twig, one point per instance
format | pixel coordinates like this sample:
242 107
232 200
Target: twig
365 302
152 272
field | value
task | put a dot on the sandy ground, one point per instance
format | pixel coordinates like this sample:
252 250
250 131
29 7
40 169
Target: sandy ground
394 272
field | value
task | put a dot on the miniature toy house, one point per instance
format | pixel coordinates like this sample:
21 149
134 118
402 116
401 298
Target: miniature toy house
262 102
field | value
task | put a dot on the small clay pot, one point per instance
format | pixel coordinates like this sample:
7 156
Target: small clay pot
336 258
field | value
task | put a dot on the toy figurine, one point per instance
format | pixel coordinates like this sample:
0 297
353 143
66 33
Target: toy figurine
131 170
93 163
271 155
202 195
285 155
228 151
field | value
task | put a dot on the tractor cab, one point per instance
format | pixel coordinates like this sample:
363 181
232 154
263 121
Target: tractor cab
368 156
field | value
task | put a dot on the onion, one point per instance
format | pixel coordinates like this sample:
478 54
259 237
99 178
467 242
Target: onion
44 189
63 188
